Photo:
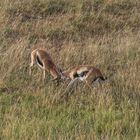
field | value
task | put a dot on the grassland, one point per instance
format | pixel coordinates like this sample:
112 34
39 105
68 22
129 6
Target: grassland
103 33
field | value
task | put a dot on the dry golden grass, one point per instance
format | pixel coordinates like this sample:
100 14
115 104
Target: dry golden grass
103 33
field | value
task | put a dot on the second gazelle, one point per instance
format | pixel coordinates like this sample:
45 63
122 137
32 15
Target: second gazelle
85 73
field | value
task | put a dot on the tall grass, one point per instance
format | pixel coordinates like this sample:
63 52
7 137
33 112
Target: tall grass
103 33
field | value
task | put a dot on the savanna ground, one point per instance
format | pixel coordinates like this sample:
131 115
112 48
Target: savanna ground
103 33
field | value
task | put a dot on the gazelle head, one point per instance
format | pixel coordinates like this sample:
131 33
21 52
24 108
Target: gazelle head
60 73
63 74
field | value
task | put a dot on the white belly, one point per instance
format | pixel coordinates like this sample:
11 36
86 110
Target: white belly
82 78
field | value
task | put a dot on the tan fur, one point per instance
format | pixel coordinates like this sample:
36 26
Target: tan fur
47 63
92 72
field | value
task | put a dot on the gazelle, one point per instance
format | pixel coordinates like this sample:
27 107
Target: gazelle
44 61
85 73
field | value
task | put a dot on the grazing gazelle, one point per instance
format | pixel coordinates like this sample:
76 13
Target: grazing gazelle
85 73
44 61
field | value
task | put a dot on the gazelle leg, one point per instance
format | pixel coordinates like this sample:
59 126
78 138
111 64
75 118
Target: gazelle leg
44 75
33 61
30 68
